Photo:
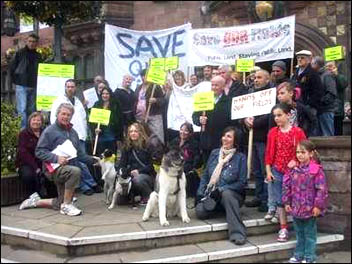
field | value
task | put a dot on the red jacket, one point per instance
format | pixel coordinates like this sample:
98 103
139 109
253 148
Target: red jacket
27 142
271 143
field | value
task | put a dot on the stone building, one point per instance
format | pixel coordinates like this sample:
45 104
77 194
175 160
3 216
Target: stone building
318 25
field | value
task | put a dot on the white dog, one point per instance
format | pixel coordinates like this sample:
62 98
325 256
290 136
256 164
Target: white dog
171 198
112 186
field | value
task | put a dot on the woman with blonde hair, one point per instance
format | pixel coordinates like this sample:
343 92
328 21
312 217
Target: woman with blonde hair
137 162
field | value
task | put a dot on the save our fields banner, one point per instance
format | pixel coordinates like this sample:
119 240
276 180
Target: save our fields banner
266 41
128 51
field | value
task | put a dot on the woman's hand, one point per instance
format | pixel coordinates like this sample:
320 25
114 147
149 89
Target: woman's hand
316 211
152 100
203 120
97 131
135 173
288 208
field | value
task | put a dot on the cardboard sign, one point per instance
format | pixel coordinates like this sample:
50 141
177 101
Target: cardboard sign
157 63
203 101
244 65
334 53
253 104
56 70
156 75
101 116
171 63
44 102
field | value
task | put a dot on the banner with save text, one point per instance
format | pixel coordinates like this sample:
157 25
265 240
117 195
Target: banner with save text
128 51
266 41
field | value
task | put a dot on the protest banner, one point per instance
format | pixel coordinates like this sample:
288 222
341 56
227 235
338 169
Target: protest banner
128 51
253 104
51 83
333 53
180 108
266 41
100 116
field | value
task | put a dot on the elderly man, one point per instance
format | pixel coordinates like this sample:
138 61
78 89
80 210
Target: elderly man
327 104
278 73
310 83
24 69
67 175
232 87
127 99
214 120
79 121
260 125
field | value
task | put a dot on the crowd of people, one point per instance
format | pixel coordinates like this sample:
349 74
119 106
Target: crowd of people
309 103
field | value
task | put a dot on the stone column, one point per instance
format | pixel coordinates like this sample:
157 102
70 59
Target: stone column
335 154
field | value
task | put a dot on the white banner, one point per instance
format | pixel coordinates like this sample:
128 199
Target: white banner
266 41
180 107
253 104
128 51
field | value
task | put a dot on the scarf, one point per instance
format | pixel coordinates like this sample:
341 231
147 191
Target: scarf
224 156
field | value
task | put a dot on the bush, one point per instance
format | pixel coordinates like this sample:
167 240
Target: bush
10 127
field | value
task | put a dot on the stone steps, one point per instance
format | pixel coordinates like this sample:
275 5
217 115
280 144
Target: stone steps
259 248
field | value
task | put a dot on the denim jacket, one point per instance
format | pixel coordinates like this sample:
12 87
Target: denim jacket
233 175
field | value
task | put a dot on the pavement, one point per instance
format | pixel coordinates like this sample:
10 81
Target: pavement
98 220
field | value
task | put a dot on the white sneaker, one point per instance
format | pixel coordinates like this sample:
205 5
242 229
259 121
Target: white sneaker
69 209
31 202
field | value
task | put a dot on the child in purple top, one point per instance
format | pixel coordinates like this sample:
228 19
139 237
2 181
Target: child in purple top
305 195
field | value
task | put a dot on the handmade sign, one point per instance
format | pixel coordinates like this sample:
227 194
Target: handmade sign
203 101
334 53
101 116
244 65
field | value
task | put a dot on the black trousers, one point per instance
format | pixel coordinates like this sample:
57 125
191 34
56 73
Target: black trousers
231 202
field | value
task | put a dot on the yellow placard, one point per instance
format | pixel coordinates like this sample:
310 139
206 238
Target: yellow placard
45 102
157 63
156 75
101 116
334 53
171 63
244 65
203 101
56 70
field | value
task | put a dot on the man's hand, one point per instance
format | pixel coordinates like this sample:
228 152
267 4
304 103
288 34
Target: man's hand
249 121
62 160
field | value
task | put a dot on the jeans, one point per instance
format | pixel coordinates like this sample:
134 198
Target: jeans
87 180
25 102
261 189
326 124
275 190
306 235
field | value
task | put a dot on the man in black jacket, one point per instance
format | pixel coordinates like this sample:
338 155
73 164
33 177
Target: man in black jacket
260 125
310 83
23 71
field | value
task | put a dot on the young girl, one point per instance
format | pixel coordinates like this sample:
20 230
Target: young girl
304 195
280 150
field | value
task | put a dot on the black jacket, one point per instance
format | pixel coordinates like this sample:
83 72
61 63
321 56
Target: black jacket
218 119
115 122
127 100
328 100
311 87
129 162
24 67
237 88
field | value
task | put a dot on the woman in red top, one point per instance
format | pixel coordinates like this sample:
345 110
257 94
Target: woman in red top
280 151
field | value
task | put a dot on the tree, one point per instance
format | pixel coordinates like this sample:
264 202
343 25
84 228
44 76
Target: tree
57 14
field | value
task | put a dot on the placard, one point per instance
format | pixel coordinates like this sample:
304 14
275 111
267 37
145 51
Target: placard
203 101
244 65
334 53
101 116
156 75
51 83
171 63
253 104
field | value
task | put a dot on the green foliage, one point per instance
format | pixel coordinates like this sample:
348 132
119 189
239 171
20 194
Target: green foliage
10 127
54 13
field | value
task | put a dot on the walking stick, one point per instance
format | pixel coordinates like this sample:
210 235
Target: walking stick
96 141
249 159
149 105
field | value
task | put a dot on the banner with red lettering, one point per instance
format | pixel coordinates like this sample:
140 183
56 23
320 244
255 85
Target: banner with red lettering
266 41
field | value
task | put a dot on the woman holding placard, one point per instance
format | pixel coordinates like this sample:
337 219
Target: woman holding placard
110 136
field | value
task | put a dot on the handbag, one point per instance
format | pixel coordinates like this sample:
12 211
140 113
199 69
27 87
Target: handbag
211 199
